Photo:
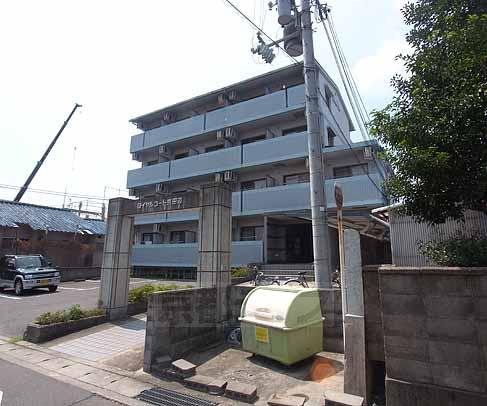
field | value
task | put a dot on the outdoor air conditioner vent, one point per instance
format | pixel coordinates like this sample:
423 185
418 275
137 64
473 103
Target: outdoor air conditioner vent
218 177
368 153
135 156
229 176
168 117
161 188
163 150
220 135
232 95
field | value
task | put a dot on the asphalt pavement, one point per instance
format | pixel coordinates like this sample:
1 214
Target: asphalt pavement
18 311
24 387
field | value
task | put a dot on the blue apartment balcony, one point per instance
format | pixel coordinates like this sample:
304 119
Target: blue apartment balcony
186 255
358 191
272 104
258 153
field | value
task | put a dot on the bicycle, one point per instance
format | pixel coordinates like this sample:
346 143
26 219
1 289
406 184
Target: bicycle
261 279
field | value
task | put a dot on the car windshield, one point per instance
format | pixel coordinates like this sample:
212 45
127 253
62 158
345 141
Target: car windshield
29 262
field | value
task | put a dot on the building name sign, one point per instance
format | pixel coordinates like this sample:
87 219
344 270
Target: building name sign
166 203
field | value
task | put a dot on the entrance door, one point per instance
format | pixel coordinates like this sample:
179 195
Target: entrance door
299 243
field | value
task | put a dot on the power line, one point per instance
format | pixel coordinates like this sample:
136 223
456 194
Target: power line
54 193
261 30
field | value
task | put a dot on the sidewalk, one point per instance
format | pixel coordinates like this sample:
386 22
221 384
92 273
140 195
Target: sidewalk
106 381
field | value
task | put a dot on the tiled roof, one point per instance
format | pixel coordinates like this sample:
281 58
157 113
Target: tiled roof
13 214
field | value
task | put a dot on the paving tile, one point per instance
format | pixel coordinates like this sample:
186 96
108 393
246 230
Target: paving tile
100 378
7 347
56 364
128 387
77 370
21 352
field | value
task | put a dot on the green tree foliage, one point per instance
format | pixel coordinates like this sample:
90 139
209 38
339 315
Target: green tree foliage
435 128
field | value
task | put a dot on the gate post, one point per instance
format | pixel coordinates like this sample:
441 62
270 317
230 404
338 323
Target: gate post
115 271
214 242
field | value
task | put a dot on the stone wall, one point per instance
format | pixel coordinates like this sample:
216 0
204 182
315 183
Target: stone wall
435 327
179 321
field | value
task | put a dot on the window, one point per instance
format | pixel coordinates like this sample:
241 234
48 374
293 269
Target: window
328 96
253 139
254 233
296 178
147 238
178 237
352 170
331 138
181 155
293 130
214 148
253 184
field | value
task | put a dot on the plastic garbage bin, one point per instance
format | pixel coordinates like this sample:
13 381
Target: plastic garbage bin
281 323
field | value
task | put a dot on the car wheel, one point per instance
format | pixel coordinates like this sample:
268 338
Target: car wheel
19 289
52 288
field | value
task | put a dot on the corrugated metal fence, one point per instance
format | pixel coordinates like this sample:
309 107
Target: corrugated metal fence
407 234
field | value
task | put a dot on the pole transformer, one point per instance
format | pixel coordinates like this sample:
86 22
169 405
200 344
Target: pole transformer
23 189
319 218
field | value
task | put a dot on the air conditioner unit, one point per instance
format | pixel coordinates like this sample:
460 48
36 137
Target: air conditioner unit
222 99
218 177
220 135
230 133
161 188
163 150
229 176
135 156
232 95
368 153
157 228
168 117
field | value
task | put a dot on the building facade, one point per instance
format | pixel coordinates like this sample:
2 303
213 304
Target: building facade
252 134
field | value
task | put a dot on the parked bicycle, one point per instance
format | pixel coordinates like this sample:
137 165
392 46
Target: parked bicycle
261 279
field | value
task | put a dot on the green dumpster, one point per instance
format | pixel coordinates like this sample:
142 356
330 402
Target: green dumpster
282 323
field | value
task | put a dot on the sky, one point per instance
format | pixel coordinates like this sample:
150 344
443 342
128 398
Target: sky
121 59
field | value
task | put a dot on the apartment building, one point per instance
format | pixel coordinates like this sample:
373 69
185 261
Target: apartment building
253 135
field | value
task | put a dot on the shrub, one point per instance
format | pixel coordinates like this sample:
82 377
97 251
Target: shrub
75 312
140 294
240 271
457 251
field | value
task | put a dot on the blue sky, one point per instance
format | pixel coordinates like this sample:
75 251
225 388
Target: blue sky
123 58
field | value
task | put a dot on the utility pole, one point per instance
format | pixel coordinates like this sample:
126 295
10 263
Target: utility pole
298 39
319 218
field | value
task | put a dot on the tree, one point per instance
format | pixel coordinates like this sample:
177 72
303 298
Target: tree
435 128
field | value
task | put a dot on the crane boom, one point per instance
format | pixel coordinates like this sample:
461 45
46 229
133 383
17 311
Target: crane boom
24 188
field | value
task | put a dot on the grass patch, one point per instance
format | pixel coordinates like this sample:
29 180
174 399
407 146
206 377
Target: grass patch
140 294
74 312
240 272
15 339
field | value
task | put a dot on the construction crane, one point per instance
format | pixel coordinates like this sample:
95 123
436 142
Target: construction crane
24 188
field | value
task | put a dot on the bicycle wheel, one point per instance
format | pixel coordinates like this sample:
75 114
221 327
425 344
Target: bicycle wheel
294 283
275 283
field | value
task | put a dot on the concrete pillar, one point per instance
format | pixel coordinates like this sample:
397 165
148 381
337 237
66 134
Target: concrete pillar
214 243
115 271
355 377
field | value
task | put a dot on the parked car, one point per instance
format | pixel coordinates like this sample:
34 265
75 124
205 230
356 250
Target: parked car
21 272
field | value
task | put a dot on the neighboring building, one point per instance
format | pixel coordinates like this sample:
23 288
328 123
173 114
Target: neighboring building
254 135
60 235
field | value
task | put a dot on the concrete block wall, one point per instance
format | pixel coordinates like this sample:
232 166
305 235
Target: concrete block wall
179 321
374 331
435 332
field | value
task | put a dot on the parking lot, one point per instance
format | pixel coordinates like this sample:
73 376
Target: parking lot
17 311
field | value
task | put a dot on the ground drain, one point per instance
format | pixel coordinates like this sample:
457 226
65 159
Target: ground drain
166 397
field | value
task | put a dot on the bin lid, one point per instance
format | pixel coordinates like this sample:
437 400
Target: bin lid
281 307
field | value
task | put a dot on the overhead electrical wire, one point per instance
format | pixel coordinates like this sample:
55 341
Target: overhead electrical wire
260 30
56 193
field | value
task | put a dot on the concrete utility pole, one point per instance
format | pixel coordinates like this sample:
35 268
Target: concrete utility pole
319 218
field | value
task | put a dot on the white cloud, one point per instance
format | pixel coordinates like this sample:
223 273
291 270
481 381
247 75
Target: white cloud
373 72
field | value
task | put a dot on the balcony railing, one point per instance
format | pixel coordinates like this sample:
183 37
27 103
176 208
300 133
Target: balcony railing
239 113
186 255
257 153
358 191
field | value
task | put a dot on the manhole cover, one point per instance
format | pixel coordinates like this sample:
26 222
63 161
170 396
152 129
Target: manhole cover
166 397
